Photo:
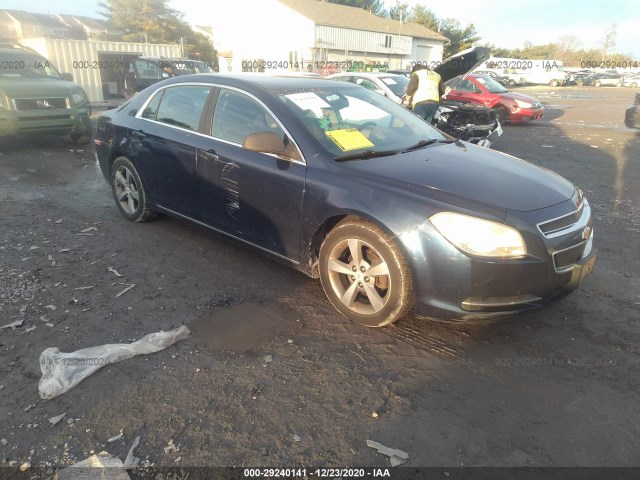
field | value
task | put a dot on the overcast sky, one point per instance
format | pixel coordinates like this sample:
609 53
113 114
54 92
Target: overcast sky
505 23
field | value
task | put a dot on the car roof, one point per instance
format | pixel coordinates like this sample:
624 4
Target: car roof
367 74
247 80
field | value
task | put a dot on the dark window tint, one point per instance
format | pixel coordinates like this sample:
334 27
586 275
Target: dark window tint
182 106
368 84
466 86
151 110
237 115
147 69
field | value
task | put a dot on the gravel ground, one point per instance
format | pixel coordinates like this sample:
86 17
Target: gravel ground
271 375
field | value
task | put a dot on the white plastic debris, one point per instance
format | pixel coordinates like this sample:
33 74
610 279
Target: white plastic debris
57 420
15 324
129 287
103 466
114 271
116 437
63 371
396 457
132 461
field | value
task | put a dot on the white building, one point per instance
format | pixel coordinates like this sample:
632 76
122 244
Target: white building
315 35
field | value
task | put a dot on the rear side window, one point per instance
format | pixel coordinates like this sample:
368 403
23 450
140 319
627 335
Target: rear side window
151 110
182 106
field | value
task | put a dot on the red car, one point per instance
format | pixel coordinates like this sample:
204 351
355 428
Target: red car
511 107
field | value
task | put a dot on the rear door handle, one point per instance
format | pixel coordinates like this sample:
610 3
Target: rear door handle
209 154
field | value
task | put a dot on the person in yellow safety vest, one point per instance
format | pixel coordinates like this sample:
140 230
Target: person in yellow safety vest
424 91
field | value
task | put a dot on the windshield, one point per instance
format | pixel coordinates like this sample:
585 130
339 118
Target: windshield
396 83
491 85
27 66
350 120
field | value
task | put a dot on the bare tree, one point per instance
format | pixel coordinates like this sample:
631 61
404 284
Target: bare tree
567 44
609 42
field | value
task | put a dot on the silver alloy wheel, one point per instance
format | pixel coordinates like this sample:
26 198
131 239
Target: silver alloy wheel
359 276
127 191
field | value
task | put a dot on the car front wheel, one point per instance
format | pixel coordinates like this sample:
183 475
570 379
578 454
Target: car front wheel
364 274
597 83
129 193
503 115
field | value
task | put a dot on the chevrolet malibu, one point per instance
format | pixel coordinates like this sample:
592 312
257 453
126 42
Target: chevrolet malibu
346 186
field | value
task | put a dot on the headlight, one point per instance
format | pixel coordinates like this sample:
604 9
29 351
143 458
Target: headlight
78 98
479 237
522 104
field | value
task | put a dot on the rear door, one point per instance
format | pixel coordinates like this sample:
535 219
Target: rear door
254 196
468 91
164 145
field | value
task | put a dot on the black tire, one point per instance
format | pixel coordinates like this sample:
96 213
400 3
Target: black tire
85 137
579 82
503 115
129 192
392 292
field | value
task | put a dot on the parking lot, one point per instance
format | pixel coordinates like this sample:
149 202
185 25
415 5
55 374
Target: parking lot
271 374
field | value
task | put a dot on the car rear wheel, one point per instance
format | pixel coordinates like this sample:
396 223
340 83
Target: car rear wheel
553 83
597 83
579 82
503 115
129 192
364 274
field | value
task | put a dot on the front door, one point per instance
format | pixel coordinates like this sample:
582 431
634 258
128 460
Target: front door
254 196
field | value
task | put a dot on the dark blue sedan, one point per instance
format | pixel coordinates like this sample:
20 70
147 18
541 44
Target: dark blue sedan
346 186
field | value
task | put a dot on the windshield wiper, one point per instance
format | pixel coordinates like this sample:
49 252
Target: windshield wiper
424 143
420 144
365 155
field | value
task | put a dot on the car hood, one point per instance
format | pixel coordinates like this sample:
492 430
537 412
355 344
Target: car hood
462 63
472 176
519 96
32 88
462 105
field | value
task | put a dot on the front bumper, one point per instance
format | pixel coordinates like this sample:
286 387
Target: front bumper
523 115
49 122
450 285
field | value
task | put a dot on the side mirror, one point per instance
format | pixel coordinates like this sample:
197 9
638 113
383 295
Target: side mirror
264 142
67 76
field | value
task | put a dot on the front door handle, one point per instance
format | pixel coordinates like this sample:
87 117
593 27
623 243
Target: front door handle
209 154
139 134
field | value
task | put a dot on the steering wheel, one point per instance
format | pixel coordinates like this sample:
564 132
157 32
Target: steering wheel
367 125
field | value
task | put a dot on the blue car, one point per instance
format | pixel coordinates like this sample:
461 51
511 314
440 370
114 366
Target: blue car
343 184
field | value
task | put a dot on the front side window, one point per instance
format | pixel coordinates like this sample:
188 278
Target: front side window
182 106
491 85
237 116
466 85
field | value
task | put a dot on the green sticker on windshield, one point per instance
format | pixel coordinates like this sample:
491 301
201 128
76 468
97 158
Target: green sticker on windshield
349 139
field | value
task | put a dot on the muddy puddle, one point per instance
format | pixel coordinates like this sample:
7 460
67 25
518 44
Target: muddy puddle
243 327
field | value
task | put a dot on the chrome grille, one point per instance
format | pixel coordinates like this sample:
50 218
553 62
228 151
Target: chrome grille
48 103
564 259
563 222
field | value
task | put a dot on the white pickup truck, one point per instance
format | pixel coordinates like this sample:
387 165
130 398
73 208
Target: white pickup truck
553 78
